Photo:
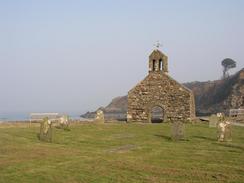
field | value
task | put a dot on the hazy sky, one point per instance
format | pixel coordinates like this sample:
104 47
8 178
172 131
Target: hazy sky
73 55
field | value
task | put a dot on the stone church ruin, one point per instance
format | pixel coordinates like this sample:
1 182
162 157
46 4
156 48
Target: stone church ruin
159 95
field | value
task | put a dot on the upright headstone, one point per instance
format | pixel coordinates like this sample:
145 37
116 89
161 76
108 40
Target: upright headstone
177 130
99 117
46 130
224 131
228 131
213 121
221 116
128 117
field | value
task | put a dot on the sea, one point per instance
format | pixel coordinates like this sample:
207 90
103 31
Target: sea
22 117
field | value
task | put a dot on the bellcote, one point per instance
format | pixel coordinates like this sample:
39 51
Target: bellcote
158 62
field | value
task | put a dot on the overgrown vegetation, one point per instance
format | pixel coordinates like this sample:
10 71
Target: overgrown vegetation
120 153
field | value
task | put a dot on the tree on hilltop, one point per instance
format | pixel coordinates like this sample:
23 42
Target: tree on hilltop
227 64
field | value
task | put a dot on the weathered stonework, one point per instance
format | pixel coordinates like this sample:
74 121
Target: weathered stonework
99 117
177 130
224 131
64 122
159 89
46 130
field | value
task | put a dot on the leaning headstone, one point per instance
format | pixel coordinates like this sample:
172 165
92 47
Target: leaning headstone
46 130
99 117
213 121
177 130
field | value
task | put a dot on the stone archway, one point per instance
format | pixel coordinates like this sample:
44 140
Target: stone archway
156 114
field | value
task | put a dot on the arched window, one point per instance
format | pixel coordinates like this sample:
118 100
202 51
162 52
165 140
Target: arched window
154 65
160 64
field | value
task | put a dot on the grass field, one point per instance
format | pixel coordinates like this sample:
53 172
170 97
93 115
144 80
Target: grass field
120 153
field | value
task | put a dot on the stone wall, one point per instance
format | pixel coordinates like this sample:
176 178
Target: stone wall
159 89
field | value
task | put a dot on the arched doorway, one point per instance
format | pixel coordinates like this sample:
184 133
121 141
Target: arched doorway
156 115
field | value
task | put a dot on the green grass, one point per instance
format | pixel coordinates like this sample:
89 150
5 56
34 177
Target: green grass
120 153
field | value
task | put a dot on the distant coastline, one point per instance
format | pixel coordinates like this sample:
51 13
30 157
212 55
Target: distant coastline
25 118
13 117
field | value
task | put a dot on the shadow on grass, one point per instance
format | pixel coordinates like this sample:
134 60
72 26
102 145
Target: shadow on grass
164 137
169 138
204 138
223 144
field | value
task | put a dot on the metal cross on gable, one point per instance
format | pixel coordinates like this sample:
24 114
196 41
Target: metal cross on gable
158 45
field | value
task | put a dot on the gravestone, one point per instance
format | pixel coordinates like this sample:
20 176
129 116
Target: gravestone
64 122
224 131
99 117
228 132
221 116
46 130
177 130
213 121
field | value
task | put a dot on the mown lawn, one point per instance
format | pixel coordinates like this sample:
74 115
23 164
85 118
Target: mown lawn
120 153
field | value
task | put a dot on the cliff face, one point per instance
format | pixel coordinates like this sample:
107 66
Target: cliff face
210 97
118 104
220 95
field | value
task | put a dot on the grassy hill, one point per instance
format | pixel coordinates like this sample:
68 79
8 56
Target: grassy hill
120 153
